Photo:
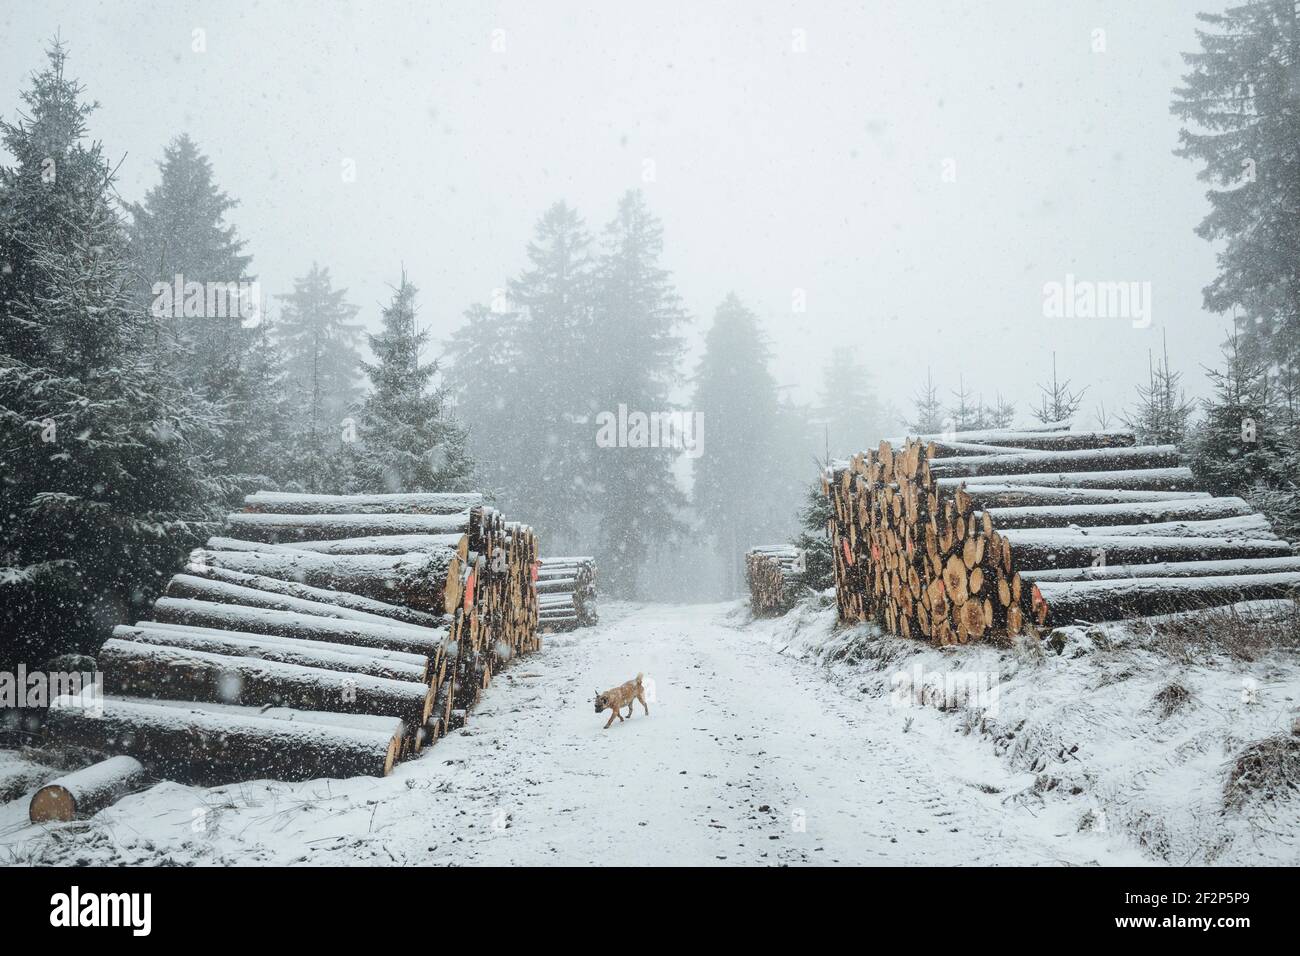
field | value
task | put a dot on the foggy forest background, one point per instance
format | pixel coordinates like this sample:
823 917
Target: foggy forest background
128 429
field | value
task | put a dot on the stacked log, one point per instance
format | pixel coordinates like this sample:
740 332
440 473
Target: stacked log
956 538
370 623
772 572
566 593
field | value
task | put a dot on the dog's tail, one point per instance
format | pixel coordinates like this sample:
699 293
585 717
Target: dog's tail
639 675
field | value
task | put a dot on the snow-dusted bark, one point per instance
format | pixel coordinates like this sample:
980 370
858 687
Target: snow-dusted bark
278 502
219 744
1141 479
347 658
224 592
86 791
1085 515
150 670
339 600
307 627
288 528
418 579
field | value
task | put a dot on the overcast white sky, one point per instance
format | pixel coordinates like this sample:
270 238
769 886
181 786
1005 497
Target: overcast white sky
775 170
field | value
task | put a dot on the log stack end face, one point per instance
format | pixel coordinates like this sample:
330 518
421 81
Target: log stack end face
963 537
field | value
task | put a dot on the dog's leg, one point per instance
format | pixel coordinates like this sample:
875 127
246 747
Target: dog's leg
642 699
611 719
629 708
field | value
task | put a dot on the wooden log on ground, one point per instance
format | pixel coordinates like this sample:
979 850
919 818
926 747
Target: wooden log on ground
1067 601
306 627
217 591
149 670
1147 479
429 503
289 529
1251 526
387 544
216 746
999 495
286 650
1090 515
1028 462
1037 441
341 600
419 580
1165 569
87 791
1054 549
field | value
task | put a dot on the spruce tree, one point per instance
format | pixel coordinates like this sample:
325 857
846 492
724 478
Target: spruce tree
407 440
99 483
486 369
319 341
1163 410
179 236
1239 101
819 567
634 350
927 410
736 485
1057 402
1237 448
849 404
552 445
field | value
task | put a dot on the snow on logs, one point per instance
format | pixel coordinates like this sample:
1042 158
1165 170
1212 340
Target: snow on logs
954 538
771 571
566 593
221 743
321 635
86 791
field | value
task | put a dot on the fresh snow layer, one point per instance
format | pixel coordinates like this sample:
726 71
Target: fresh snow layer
779 741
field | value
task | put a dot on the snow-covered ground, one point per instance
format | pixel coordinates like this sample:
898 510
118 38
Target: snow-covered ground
783 741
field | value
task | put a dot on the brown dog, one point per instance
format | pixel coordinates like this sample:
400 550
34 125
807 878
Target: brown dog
624 694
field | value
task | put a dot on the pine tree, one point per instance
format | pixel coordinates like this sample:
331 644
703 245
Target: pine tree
1057 402
1163 410
99 482
735 488
321 362
485 372
849 404
634 351
552 447
927 414
1239 101
1237 448
819 566
180 234
965 414
1001 414
407 438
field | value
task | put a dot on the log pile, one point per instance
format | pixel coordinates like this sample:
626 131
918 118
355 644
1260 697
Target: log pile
566 593
957 538
321 635
772 572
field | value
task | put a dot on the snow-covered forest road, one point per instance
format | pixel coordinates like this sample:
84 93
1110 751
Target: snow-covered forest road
747 756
